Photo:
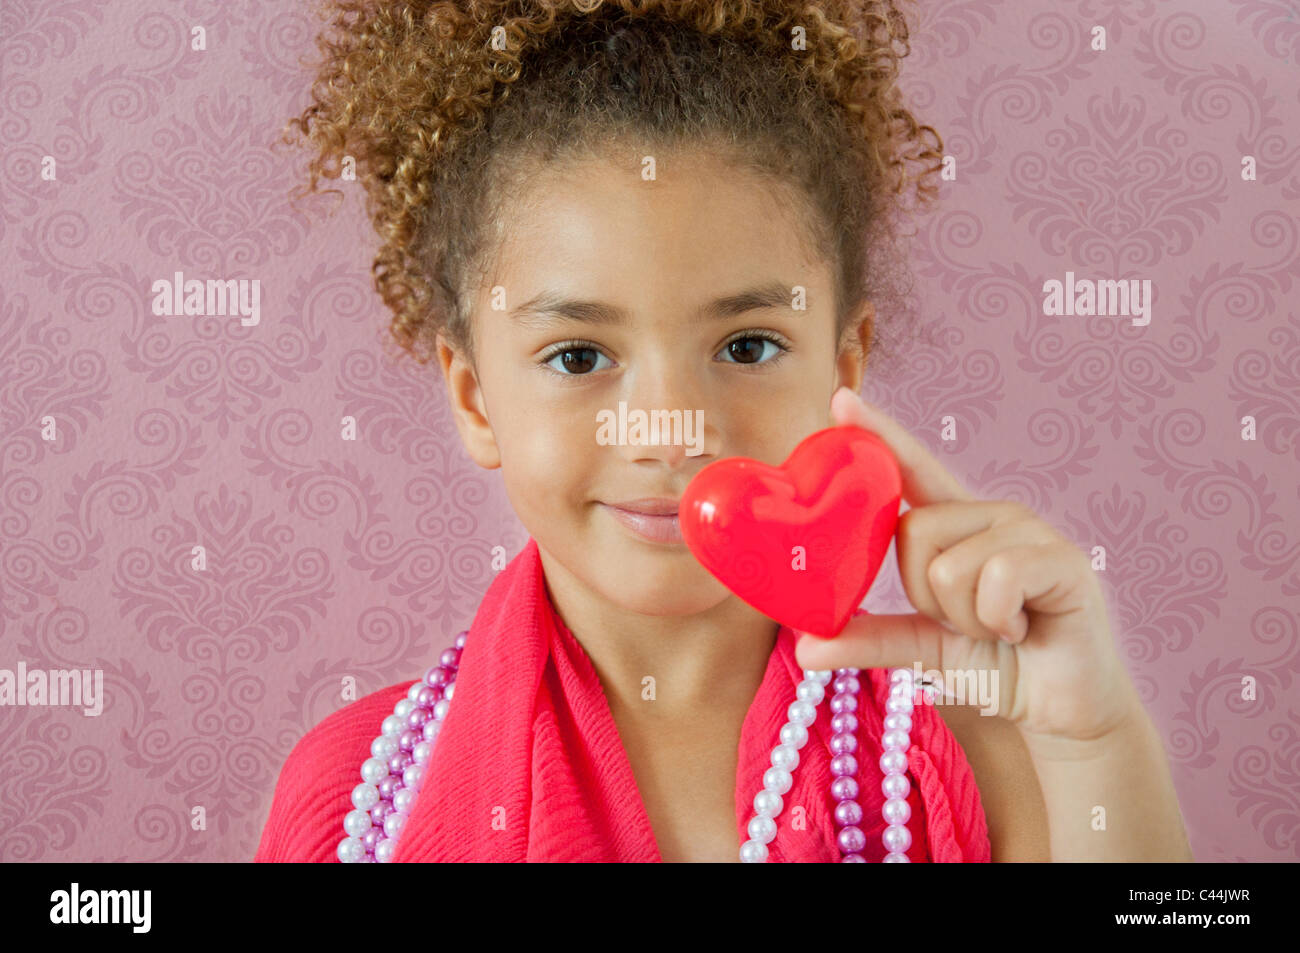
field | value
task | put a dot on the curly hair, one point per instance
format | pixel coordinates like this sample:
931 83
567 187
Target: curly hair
446 108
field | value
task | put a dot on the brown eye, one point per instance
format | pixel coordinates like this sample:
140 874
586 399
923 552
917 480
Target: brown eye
746 350
574 361
749 350
577 362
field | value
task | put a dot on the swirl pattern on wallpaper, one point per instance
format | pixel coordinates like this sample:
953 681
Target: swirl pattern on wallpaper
135 446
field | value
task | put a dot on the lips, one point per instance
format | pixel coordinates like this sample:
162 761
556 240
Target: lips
651 506
654 520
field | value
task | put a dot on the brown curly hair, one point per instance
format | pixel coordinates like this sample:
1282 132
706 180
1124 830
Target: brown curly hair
447 107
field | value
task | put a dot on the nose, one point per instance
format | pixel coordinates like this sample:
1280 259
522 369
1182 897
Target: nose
676 429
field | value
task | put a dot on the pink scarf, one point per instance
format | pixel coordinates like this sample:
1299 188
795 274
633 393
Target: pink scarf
530 767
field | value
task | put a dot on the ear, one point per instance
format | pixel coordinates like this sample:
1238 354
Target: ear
855 345
467 405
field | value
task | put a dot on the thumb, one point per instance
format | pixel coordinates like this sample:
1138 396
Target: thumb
877 641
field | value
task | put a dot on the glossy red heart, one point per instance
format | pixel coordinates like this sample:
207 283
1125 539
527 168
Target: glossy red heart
801 542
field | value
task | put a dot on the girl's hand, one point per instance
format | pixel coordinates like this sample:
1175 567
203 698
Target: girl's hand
998 589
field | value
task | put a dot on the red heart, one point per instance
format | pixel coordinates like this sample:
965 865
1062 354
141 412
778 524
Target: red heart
836 497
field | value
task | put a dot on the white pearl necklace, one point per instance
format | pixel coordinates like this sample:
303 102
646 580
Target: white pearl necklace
391 778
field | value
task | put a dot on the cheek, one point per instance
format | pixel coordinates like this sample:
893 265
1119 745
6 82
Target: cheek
769 430
545 461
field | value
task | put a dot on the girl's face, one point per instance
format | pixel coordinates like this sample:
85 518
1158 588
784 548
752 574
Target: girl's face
604 293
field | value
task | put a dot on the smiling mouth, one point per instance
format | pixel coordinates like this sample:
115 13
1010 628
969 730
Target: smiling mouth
650 505
662 527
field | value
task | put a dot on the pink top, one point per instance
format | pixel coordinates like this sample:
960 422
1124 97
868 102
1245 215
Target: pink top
529 765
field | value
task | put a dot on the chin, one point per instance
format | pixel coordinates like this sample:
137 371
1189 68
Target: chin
667 594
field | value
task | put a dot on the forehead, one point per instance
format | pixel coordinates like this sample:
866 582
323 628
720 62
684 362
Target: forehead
700 224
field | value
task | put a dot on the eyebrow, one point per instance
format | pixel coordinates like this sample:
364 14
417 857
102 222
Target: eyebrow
548 307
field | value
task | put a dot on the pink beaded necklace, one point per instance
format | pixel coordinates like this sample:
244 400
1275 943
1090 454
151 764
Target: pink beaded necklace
391 777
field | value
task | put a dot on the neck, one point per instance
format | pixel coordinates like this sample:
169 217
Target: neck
710 660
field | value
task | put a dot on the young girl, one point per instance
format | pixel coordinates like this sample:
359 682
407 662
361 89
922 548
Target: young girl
689 206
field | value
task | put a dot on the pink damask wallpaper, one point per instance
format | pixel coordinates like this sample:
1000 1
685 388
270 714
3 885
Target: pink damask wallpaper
1154 141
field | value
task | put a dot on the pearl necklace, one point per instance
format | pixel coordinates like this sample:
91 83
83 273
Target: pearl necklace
392 776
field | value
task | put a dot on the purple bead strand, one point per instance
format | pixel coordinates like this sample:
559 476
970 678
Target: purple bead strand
392 776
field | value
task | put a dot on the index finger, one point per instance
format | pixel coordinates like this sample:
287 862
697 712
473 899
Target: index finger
925 479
